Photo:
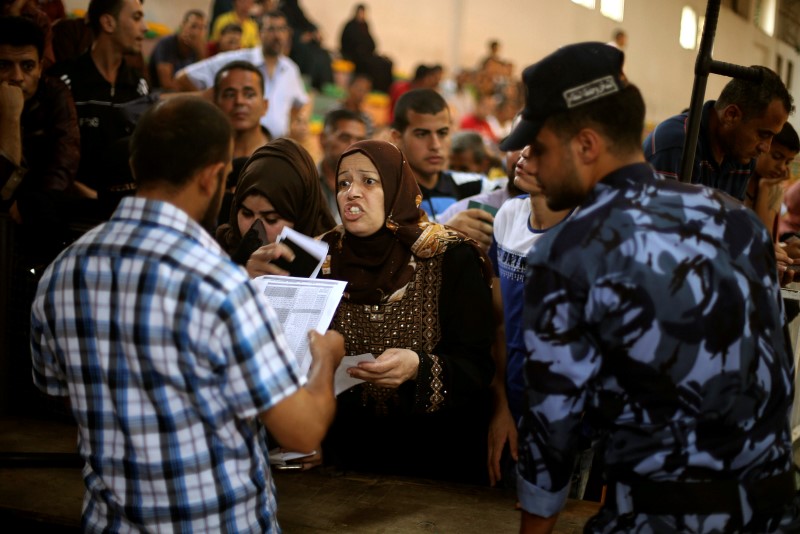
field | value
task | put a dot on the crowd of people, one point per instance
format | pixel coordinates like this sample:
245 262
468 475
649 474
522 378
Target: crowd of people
533 276
100 61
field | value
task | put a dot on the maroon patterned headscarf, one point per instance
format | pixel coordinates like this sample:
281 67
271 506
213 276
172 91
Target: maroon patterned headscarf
378 265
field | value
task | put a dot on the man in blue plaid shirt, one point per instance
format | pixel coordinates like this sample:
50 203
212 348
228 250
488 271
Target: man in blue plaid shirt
167 351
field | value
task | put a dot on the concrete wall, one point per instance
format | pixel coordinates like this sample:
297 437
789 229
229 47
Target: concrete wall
454 33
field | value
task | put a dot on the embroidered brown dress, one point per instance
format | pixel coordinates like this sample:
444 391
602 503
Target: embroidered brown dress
410 323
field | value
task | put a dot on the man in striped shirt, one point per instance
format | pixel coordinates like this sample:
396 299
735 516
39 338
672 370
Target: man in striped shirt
169 355
734 130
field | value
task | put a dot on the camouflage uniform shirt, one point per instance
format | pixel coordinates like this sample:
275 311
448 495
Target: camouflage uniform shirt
654 314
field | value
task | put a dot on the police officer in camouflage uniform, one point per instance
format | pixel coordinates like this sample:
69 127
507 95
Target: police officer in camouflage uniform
654 315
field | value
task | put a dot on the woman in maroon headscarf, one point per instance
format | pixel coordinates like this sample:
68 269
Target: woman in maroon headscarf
418 298
278 186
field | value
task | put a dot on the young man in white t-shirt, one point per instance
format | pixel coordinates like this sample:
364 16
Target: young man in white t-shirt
518 224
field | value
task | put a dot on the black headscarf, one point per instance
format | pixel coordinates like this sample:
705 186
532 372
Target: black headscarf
284 173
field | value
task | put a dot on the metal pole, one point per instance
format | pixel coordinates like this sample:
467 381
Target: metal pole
703 66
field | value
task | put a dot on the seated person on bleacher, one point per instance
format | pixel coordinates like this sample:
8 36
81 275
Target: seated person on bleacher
358 46
306 46
40 144
283 86
239 15
229 39
357 90
468 153
173 52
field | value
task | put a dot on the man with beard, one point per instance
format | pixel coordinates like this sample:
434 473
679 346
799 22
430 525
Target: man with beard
168 352
283 86
652 315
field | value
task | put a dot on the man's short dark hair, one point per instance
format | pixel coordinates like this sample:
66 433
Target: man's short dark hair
21 31
753 97
619 117
193 13
788 138
231 28
360 76
176 138
425 101
273 14
421 71
469 141
332 118
98 8
237 65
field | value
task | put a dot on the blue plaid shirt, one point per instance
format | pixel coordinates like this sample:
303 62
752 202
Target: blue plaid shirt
167 353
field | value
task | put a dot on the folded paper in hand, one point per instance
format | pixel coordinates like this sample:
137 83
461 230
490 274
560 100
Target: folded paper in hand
309 253
342 381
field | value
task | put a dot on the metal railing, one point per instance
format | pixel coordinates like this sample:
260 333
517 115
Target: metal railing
704 66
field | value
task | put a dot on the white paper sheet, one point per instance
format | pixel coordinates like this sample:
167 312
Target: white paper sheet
302 304
278 457
343 381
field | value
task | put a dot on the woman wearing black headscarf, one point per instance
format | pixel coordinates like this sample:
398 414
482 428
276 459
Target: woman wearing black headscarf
278 186
418 298
358 46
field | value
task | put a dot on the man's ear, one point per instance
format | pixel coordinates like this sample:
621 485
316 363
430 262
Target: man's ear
397 137
208 178
587 144
108 23
731 115
266 107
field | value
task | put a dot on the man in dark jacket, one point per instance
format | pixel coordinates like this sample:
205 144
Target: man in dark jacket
40 144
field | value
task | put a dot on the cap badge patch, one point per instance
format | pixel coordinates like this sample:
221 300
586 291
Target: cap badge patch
587 92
